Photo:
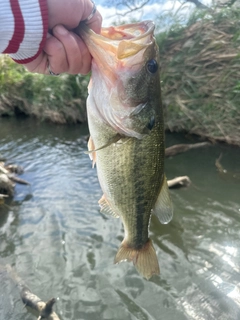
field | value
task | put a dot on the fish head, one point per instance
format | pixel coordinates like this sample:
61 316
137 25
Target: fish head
125 86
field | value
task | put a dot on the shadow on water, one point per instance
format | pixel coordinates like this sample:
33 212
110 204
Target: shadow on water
62 247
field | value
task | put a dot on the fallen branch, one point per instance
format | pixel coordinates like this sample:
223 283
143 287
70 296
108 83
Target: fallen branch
8 177
179 148
18 180
2 196
178 182
200 5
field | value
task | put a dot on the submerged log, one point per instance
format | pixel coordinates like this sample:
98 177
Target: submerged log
29 299
179 148
178 182
45 309
224 172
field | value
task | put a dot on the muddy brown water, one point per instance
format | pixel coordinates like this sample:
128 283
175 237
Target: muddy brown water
55 238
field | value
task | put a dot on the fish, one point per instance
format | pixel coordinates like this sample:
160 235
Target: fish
125 119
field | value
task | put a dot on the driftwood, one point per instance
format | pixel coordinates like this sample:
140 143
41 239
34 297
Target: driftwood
8 178
18 180
6 185
179 148
44 309
178 182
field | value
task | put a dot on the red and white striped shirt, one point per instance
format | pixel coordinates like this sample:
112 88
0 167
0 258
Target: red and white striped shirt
23 28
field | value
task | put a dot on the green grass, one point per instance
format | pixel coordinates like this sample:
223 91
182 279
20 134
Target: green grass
59 99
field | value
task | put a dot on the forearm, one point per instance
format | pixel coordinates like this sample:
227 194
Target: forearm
23 28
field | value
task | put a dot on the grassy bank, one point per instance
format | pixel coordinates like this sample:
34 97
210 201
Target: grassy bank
200 73
57 99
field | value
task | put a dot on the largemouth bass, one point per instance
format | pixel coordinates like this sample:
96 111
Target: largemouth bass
125 120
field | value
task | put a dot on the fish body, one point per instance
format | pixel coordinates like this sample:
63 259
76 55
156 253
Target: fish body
125 120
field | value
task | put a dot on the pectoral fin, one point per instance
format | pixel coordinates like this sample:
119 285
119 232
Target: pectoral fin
163 207
92 154
114 139
106 207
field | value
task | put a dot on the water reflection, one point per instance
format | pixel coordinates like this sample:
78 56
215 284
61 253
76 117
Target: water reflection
60 244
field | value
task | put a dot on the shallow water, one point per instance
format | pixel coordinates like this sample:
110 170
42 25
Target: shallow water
55 238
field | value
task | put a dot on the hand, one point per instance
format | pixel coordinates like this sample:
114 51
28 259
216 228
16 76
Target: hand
64 51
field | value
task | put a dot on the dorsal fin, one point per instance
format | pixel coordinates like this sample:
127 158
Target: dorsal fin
163 208
106 208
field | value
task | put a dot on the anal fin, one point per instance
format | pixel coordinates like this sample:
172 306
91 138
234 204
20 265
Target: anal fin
163 208
106 207
144 259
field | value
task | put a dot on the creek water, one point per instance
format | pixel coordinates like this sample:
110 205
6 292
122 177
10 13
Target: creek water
55 238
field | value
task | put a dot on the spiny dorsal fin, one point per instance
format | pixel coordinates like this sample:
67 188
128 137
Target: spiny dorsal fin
106 208
92 155
144 259
163 208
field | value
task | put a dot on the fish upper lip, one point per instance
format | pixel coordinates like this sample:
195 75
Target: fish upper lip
88 34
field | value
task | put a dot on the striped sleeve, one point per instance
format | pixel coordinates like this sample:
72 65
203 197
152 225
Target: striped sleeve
23 28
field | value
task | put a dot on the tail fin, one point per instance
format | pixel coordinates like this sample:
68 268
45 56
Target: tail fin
144 259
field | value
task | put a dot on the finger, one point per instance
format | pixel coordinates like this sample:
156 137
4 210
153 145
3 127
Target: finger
77 54
95 22
39 65
56 56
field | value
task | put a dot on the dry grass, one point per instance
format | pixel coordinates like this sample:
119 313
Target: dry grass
201 77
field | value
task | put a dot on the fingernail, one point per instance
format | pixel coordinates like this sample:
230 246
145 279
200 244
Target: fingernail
60 30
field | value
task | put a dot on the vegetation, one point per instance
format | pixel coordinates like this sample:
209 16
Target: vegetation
58 99
200 68
200 73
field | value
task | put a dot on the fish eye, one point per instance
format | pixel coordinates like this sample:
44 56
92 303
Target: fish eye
152 66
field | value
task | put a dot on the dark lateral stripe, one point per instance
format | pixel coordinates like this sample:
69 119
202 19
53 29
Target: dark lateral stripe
140 204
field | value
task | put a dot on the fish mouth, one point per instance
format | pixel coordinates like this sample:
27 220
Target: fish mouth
123 41
116 45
